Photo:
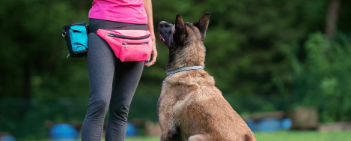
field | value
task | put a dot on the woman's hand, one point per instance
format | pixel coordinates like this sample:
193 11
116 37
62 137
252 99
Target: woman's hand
153 55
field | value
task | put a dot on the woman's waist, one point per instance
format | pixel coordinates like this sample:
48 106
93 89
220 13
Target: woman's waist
95 24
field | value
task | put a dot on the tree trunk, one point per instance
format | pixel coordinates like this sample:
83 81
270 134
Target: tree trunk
332 18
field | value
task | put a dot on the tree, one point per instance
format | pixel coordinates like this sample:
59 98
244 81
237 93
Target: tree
332 18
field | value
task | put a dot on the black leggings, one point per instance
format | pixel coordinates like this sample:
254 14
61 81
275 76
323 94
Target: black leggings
102 67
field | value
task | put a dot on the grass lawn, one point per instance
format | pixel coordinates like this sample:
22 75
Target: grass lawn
304 136
287 136
275 136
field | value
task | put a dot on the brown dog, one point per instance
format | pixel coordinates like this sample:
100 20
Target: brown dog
190 107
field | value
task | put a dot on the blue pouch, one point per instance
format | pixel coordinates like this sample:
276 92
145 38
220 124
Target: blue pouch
76 37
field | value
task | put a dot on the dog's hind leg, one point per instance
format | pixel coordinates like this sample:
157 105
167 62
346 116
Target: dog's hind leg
199 137
171 135
169 130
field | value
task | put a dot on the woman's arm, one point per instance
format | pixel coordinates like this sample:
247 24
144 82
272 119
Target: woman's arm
150 26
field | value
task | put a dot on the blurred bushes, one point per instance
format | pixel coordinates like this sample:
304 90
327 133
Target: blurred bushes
323 79
33 52
30 123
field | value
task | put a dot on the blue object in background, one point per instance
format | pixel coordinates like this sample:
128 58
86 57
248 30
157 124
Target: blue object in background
286 123
7 138
269 124
63 132
251 124
131 130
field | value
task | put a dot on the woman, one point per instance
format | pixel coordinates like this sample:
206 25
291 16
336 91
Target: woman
104 67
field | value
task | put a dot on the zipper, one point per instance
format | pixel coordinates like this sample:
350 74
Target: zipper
142 43
127 37
68 55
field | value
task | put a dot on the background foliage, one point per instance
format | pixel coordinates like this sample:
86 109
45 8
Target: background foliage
265 55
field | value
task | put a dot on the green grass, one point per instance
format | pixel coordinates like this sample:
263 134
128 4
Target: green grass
304 136
276 136
286 136
143 139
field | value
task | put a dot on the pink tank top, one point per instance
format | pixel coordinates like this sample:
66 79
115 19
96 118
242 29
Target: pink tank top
125 11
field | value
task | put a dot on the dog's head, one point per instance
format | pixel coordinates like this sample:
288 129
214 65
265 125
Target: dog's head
184 41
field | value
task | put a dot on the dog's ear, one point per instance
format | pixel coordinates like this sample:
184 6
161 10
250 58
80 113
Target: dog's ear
180 29
202 24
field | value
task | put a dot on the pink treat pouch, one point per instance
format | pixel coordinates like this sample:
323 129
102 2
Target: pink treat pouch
128 45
